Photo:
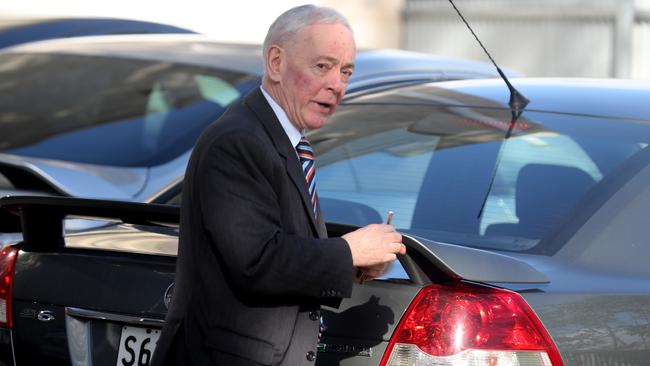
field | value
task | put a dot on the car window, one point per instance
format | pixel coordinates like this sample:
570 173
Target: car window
435 168
449 176
76 108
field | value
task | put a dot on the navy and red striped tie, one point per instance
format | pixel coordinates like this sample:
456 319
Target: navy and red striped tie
306 155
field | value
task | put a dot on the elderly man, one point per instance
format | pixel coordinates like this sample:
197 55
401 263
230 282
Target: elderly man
254 261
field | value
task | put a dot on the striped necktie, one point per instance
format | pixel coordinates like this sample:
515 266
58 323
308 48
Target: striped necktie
306 155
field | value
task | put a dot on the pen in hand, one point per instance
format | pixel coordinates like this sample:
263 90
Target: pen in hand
362 276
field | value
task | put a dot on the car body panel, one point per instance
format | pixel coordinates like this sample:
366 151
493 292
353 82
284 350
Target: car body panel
163 174
358 330
82 180
112 273
130 240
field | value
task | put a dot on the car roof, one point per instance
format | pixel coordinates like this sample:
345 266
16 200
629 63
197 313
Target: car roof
190 49
19 29
591 97
387 61
374 66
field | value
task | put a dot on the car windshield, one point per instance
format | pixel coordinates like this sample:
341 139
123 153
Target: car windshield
449 176
109 111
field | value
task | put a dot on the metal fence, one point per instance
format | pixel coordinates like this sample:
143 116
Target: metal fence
574 38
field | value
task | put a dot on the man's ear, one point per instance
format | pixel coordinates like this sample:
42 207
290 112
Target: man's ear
274 59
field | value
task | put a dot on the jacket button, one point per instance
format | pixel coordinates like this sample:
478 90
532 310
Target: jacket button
311 356
314 315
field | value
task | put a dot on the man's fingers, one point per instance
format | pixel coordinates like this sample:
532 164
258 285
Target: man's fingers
393 237
396 247
388 228
389 257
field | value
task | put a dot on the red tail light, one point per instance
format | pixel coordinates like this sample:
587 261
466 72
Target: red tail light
466 324
7 264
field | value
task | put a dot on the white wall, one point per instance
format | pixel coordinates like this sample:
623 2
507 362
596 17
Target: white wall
380 23
572 38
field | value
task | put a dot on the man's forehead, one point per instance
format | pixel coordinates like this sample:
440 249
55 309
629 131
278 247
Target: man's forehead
329 32
331 42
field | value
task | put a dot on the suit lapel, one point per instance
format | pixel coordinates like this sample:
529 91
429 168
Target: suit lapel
256 101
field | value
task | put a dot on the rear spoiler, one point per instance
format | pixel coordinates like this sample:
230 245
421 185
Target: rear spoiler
41 221
478 265
428 260
41 218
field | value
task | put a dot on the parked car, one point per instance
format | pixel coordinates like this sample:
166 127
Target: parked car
28 28
116 116
528 250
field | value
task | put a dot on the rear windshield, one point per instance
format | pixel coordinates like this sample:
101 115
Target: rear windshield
109 111
449 176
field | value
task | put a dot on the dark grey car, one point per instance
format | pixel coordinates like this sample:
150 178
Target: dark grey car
521 251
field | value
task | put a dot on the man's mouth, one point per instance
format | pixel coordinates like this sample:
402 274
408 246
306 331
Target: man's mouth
325 106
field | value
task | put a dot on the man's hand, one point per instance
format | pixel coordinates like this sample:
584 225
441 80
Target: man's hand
374 246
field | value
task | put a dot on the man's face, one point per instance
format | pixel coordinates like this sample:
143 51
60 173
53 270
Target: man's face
314 73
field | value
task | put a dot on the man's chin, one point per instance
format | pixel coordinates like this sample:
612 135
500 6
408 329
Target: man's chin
317 122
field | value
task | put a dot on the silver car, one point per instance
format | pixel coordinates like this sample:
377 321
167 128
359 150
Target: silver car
116 116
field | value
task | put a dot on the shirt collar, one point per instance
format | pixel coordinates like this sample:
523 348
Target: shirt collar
292 132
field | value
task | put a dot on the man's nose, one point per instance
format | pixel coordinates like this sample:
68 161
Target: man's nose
337 83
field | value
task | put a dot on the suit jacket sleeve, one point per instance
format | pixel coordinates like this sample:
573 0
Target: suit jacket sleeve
241 180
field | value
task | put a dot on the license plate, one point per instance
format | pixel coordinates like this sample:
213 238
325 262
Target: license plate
136 346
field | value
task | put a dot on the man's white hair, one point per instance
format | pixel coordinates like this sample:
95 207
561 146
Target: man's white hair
295 20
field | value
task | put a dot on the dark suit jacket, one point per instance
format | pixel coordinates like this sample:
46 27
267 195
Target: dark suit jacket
253 264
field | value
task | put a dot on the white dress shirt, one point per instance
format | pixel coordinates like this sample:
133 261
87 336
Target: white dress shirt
292 132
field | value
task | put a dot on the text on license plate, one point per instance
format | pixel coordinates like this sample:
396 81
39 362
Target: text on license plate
136 346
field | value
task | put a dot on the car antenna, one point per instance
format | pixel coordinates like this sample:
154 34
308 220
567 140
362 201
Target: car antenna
517 103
